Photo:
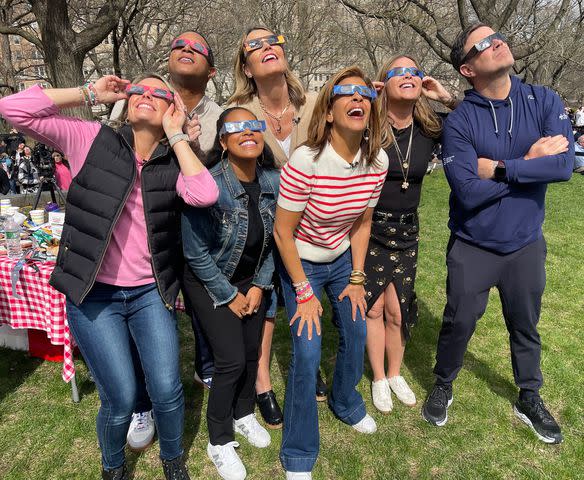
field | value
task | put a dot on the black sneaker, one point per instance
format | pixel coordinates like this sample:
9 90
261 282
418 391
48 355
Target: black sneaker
435 409
532 412
175 469
120 473
321 388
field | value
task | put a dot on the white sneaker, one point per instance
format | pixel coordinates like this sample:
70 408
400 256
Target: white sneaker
367 425
250 428
227 461
298 475
381 394
402 390
141 432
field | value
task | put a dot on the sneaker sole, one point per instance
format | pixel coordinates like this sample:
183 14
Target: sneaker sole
441 423
140 449
527 422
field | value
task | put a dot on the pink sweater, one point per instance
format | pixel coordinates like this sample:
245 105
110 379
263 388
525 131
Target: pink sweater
127 261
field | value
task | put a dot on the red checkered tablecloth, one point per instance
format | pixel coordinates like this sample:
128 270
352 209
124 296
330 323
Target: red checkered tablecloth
42 307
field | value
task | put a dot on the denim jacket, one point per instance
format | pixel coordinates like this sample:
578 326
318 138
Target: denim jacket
214 238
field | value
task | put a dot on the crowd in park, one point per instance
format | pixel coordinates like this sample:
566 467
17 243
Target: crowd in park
280 197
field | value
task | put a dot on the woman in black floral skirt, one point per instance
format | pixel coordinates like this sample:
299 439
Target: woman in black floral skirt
412 130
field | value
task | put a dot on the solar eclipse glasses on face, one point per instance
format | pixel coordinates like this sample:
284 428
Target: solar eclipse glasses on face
257 43
237 127
483 45
196 46
403 71
362 90
137 89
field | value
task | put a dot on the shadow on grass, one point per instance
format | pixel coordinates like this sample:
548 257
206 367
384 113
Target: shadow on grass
15 368
421 352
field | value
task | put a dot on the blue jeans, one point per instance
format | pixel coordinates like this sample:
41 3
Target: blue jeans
104 326
300 438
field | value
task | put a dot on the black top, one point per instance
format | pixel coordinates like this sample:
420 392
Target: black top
393 197
255 234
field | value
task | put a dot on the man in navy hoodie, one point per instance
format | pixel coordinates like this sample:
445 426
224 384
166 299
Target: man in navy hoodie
501 147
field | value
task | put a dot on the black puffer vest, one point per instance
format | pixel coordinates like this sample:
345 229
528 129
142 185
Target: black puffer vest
95 201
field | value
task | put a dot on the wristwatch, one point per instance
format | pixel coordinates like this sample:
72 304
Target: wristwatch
177 137
500 171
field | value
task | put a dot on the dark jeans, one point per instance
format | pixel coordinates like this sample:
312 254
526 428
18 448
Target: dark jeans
300 439
520 279
109 321
203 354
235 342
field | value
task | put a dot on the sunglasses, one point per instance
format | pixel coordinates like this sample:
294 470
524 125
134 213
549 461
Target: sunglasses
196 46
236 127
362 90
483 45
137 89
403 71
258 43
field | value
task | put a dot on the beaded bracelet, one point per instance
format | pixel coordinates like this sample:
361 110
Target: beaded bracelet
304 300
93 101
297 285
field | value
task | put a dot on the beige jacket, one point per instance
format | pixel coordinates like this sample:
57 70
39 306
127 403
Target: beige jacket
299 130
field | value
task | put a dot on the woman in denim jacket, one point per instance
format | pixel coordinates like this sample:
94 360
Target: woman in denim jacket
229 249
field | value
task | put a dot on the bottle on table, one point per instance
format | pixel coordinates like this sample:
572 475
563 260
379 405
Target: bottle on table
12 233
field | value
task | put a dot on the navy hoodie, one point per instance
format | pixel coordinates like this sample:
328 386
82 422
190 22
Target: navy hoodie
503 216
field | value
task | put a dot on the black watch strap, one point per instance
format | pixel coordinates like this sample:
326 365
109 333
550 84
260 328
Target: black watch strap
500 171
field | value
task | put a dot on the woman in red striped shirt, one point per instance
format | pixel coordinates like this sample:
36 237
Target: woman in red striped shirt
328 191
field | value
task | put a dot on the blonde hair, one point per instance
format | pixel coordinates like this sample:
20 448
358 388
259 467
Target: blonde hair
124 113
319 130
246 88
424 116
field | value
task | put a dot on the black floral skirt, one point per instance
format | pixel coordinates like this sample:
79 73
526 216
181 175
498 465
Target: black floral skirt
392 257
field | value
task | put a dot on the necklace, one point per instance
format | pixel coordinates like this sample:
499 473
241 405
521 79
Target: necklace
276 118
404 162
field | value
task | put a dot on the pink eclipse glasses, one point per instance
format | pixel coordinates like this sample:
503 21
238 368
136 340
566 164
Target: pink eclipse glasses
137 89
196 46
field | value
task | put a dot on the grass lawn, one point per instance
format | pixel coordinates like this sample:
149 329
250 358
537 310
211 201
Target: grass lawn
43 435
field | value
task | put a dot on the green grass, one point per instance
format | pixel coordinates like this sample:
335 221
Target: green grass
43 435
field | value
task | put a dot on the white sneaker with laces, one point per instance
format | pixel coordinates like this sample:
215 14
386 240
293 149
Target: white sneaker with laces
298 475
402 390
367 425
381 394
250 428
141 432
227 461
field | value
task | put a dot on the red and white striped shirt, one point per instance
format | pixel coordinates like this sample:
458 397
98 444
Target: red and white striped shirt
332 194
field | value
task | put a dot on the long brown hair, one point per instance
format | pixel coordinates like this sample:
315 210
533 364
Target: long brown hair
424 116
319 130
246 88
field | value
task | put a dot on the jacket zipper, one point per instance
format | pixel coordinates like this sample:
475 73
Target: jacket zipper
166 304
257 269
111 231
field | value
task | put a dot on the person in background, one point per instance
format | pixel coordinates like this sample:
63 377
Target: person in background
328 191
501 147
62 171
28 174
117 264
234 268
579 155
266 86
410 132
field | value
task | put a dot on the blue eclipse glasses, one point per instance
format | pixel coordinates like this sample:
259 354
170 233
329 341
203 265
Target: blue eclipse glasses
236 127
362 90
402 71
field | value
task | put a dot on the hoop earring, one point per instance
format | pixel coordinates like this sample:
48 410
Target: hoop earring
223 155
260 160
366 134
